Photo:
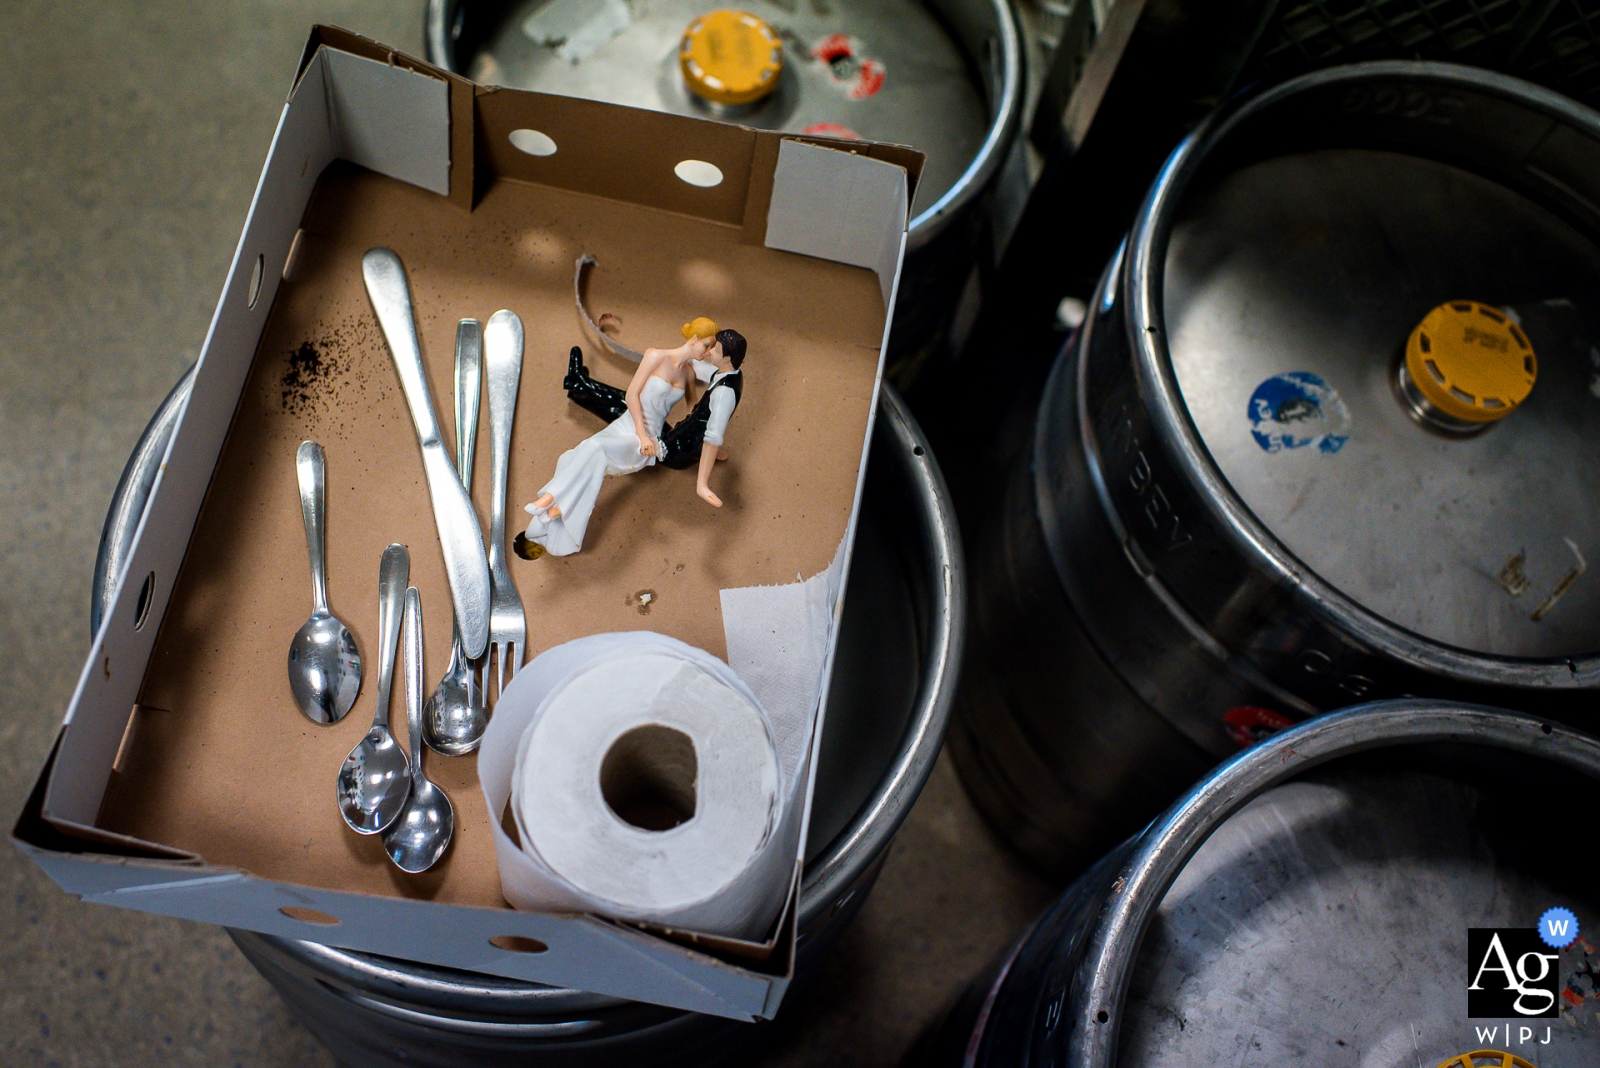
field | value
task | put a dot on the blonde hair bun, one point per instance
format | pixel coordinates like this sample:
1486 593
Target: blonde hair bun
701 328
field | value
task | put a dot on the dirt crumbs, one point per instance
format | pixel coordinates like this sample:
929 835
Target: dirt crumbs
322 383
309 377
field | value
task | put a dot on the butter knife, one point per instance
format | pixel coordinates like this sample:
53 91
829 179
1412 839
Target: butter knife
465 562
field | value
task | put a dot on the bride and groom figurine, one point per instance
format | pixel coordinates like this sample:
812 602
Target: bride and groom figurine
637 434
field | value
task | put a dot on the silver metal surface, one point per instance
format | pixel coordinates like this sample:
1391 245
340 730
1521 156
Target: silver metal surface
374 780
419 836
324 666
508 623
1143 575
1476 120
130 497
455 717
1093 1018
1322 861
893 686
466 566
1324 262
929 98
1308 903
972 187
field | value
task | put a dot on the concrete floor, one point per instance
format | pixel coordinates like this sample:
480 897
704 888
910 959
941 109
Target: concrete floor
130 140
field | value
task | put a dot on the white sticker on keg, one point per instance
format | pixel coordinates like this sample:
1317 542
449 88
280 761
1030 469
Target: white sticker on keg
576 29
1298 410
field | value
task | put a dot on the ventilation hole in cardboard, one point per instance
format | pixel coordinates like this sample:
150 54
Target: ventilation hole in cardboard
533 143
295 912
518 944
648 777
699 172
141 607
255 279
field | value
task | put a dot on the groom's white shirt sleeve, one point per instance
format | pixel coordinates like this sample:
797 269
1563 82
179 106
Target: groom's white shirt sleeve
722 405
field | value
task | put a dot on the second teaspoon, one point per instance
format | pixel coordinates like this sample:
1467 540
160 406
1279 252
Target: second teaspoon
374 781
417 840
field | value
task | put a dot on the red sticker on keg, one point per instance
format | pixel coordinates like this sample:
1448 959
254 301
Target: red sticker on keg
1248 724
831 129
860 76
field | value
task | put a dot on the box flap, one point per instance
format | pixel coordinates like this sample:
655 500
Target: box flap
374 110
860 198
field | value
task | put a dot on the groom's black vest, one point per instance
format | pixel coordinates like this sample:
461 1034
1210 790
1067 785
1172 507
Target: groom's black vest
684 440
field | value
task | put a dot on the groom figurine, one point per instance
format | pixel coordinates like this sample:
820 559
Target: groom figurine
706 424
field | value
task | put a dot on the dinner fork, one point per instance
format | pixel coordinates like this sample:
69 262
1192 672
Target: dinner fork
508 623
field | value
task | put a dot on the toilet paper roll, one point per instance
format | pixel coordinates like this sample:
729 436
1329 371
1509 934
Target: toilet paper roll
643 780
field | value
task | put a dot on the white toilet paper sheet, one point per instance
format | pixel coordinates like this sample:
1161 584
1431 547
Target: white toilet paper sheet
726 871
778 639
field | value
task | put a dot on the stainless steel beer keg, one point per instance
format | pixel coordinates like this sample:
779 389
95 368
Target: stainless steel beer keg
1326 898
944 76
893 685
1328 434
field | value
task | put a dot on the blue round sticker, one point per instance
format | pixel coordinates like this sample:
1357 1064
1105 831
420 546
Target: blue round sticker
1558 927
1298 410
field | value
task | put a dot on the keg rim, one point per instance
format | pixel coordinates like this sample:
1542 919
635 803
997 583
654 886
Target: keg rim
1142 279
1100 984
1005 108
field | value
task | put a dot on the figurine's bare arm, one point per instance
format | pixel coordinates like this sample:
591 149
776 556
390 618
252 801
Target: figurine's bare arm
709 455
652 360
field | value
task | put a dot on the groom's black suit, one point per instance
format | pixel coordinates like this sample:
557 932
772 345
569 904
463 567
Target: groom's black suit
683 440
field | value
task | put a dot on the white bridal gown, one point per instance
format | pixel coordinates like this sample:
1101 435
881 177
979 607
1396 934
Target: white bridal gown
582 468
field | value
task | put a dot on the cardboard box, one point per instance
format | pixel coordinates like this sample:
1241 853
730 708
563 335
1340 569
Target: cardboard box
184 782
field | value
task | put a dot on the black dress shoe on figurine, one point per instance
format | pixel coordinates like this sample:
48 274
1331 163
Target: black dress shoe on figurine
576 371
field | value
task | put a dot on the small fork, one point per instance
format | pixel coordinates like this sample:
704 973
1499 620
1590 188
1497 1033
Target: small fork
508 623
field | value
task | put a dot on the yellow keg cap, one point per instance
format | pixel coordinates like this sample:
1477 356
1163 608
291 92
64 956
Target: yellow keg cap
730 57
1471 361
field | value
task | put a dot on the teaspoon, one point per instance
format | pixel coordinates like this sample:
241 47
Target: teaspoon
324 666
420 836
373 781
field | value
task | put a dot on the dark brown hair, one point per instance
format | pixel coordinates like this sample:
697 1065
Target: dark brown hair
732 343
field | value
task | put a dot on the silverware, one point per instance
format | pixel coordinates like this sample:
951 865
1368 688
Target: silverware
454 719
420 836
465 563
508 623
324 666
373 782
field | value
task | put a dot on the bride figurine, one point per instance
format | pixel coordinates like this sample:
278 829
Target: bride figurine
635 437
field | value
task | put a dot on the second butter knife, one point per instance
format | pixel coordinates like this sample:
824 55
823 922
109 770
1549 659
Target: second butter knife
465 562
